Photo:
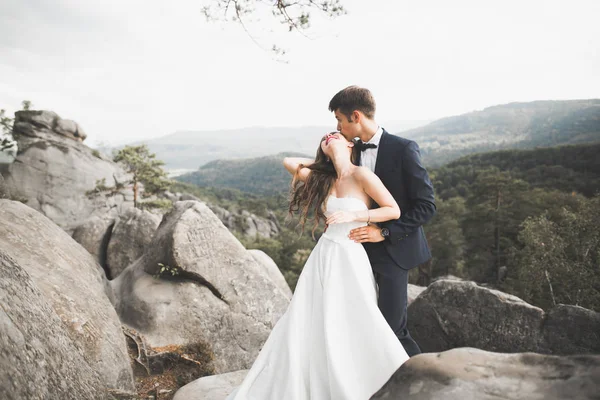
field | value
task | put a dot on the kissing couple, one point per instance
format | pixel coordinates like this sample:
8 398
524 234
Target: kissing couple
345 331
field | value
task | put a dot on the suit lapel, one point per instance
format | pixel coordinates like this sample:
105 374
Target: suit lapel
382 148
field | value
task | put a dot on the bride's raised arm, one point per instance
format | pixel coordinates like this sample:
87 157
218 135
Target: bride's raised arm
371 184
293 163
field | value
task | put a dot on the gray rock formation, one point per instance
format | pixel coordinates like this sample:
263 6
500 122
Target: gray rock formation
214 387
74 286
572 330
54 170
452 314
272 271
116 242
4 192
94 235
241 222
131 235
246 223
476 374
212 293
414 291
38 359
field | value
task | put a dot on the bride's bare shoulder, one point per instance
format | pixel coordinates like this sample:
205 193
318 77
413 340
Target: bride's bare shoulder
361 173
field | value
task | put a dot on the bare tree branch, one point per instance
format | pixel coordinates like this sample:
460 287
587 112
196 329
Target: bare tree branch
292 14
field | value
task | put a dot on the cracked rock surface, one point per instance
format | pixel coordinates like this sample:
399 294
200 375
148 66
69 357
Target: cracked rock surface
73 286
468 373
212 291
451 314
53 171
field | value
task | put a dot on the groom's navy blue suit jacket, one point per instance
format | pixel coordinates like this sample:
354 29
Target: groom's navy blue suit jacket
400 169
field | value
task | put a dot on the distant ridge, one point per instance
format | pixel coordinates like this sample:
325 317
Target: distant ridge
509 126
263 175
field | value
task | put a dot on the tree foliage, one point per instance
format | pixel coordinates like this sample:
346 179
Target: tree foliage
560 258
446 239
6 122
144 168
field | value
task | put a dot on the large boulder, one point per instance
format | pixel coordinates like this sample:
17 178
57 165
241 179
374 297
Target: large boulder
197 285
73 285
469 373
240 222
38 359
572 330
4 192
130 237
116 242
272 271
414 291
94 234
54 170
452 314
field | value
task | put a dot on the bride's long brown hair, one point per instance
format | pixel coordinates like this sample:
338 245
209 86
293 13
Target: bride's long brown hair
310 195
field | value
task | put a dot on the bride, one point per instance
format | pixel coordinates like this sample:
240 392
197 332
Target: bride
332 343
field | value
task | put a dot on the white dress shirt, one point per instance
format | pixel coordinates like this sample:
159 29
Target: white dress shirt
369 156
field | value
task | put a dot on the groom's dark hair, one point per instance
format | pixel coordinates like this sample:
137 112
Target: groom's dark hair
353 98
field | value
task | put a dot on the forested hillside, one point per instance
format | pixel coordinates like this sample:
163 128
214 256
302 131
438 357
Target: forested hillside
262 176
519 220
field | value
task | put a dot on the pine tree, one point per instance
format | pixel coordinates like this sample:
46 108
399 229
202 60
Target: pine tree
145 169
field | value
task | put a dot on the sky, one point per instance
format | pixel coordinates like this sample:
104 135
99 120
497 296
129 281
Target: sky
130 70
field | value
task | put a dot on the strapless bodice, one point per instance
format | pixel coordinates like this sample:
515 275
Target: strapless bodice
339 232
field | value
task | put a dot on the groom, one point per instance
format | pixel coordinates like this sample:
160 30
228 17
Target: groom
394 247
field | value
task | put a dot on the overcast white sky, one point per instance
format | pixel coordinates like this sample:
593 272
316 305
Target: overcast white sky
134 69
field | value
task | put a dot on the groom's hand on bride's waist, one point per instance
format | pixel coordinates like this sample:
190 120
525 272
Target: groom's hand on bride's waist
366 234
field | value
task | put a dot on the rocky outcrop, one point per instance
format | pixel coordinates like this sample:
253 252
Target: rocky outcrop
94 235
31 123
214 387
452 314
414 291
73 285
4 192
241 222
458 374
54 170
38 359
572 330
116 242
130 237
272 271
196 284
476 374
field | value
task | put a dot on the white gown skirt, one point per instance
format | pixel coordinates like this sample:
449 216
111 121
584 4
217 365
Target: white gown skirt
332 342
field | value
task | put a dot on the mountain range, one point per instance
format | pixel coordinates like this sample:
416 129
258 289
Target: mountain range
508 126
512 126
189 150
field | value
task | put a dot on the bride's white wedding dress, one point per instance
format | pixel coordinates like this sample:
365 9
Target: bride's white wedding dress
332 343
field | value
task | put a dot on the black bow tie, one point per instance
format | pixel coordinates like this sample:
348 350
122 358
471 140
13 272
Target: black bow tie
362 146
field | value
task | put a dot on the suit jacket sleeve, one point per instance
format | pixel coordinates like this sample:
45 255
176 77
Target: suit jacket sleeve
420 195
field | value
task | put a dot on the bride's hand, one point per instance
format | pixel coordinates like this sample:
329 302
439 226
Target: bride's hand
339 217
